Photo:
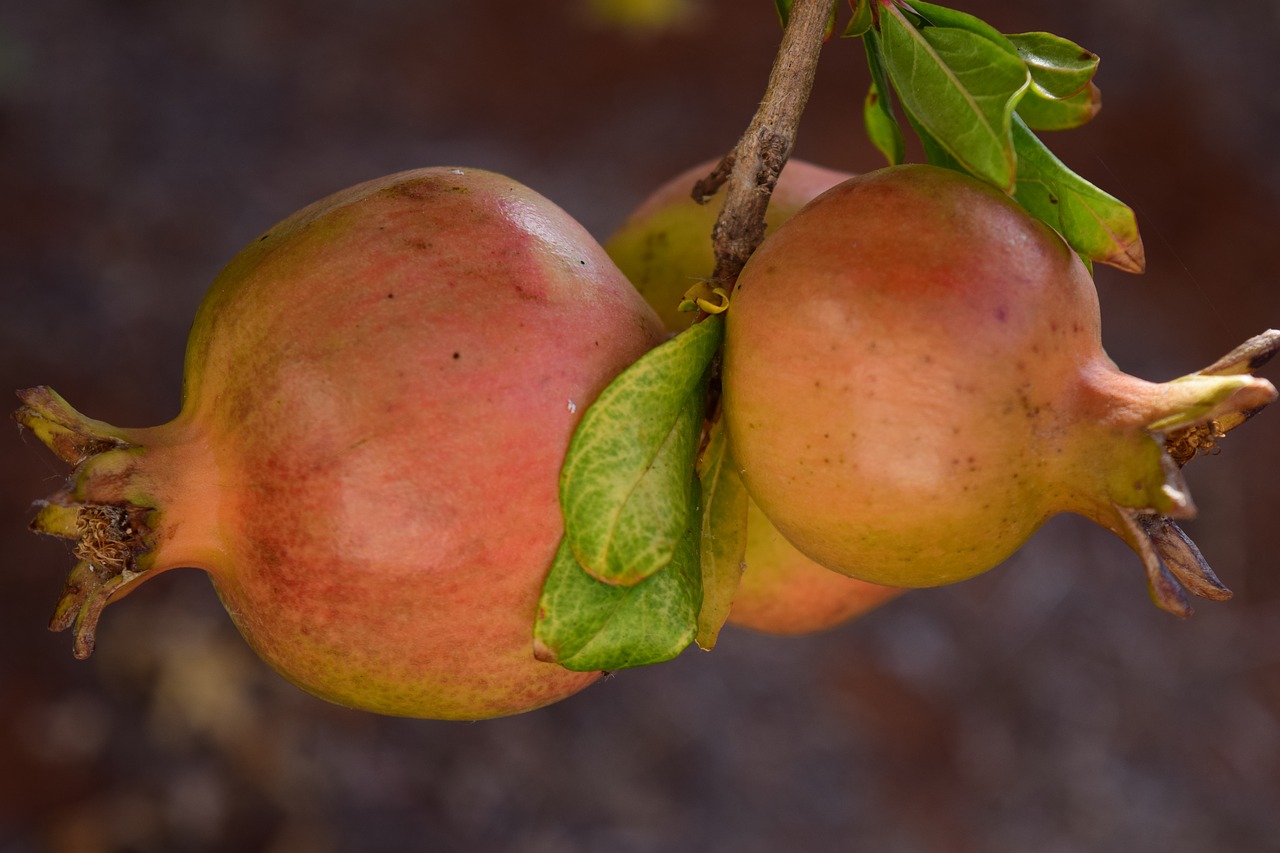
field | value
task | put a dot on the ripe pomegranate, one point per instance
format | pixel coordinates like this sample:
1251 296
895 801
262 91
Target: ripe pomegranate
914 381
664 247
378 396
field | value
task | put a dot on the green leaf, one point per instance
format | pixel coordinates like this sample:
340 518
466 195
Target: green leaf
1059 68
877 111
941 16
623 485
784 10
586 625
861 21
934 152
961 86
723 534
1041 113
1094 223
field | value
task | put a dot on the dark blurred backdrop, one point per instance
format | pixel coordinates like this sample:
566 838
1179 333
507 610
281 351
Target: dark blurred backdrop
1046 706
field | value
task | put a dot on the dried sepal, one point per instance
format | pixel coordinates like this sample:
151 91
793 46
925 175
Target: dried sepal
108 542
69 434
1185 442
1247 357
1167 593
1182 558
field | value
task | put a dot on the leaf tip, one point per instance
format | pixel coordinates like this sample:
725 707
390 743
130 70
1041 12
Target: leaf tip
1132 257
707 643
544 652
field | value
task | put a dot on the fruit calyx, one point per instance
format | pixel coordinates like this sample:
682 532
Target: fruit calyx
1186 443
1174 565
111 533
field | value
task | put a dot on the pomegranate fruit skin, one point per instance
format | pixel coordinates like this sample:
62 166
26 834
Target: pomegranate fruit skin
379 392
664 247
784 592
914 382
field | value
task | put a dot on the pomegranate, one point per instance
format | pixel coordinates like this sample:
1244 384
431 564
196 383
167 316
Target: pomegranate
378 396
914 381
664 247
784 592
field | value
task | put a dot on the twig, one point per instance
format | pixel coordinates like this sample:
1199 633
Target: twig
750 171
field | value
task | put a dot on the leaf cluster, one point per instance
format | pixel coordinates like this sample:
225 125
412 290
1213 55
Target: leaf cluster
976 97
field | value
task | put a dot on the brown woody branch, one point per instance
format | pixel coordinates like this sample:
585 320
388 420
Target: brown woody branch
750 171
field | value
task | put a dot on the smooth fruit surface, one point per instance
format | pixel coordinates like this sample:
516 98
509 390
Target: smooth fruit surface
379 393
784 592
664 247
914 381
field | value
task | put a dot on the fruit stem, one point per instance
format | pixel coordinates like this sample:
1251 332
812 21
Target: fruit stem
750 171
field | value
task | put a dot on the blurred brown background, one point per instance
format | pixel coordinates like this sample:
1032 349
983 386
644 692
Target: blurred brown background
1046 706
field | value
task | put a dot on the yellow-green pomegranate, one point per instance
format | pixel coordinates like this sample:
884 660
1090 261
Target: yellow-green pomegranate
664 247
914 382
379 392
